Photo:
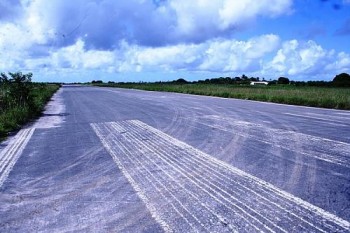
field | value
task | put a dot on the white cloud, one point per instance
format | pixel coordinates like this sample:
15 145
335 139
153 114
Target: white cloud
263 56
217 55
12 50
341 63
107 22
76 57
206 18
296 58
175 35
172 26
233 55
238 12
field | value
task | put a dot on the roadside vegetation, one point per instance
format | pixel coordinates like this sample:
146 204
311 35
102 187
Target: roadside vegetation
21 100
334 94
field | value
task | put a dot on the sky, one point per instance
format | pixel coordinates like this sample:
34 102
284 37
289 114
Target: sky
161 40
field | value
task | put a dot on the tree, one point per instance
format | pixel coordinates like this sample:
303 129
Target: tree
17 87
341 80
180 81
244 77
283 80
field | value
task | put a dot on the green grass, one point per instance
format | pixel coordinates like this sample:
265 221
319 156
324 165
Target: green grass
14 117
323 97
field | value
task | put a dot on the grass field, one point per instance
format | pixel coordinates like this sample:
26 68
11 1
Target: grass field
324 97
11 118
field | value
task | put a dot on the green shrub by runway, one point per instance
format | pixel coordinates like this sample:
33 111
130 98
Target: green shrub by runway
324 97
21 100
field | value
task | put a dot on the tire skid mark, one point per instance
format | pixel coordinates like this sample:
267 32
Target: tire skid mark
335 223
10 154
253 181
215 192
150 206
224 179
139 164
243 193
166 182
336 152
218 169
324 120
188 192
177 167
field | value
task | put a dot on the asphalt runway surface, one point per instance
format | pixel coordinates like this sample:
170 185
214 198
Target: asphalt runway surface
118 160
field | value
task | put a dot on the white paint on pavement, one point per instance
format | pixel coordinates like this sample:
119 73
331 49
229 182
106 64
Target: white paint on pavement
10 154
187 190
53 117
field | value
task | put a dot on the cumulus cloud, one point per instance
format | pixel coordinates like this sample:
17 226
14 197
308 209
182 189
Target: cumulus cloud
76 57
265 55
73 57
218 55
145 36
151 23
341 63
233 55
296 58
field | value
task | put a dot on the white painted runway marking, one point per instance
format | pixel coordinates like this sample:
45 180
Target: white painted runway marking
10 154
187 190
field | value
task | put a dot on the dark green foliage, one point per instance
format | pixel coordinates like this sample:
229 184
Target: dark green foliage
283 80
341 80
96 81
21 100
180 81
15 90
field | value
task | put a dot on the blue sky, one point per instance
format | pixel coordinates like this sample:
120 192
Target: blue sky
145 40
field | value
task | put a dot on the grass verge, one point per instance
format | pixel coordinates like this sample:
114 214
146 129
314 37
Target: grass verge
323 97
13 118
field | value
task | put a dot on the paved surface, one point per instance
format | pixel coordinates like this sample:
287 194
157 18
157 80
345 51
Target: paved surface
104 160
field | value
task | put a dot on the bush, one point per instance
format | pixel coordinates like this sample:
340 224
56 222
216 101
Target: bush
21 100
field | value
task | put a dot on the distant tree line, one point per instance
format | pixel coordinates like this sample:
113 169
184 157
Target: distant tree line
340 80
